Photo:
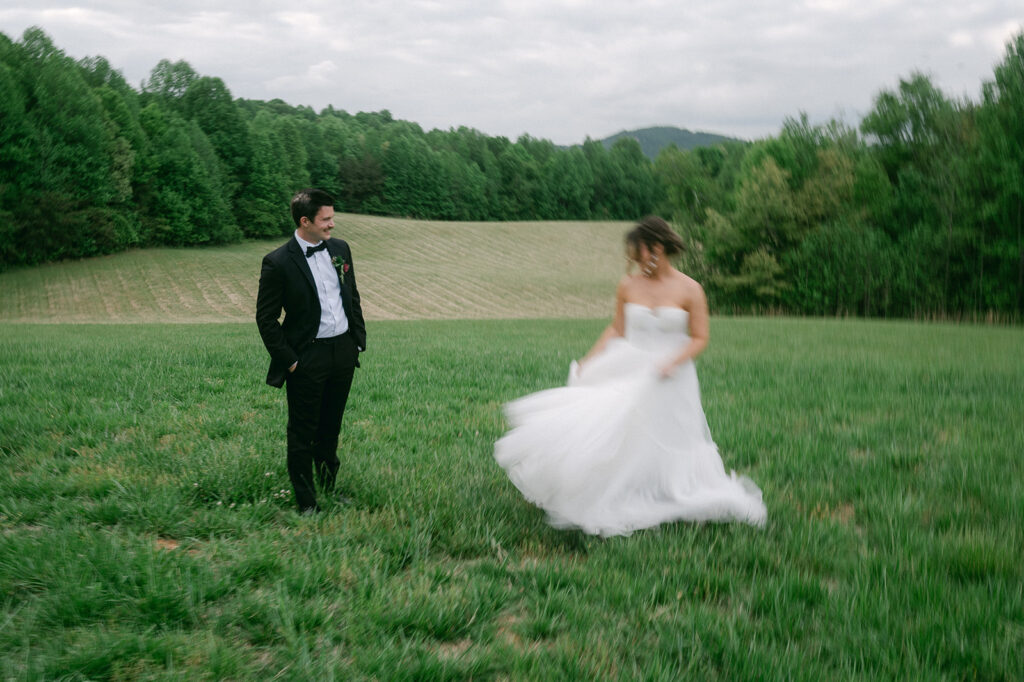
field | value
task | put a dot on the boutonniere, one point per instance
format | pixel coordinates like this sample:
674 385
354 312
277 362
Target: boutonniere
341 266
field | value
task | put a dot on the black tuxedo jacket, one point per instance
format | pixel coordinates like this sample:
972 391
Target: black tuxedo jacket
286 283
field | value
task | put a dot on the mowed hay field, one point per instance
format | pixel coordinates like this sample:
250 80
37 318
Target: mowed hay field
406 270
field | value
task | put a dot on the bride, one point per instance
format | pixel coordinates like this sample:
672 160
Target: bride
625 445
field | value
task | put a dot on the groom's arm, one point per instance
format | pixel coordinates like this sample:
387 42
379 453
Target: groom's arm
269 303
356 323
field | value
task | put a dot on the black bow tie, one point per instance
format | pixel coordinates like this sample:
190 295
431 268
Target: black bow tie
310 250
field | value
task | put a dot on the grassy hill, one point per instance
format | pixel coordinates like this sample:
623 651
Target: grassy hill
653 140
406 269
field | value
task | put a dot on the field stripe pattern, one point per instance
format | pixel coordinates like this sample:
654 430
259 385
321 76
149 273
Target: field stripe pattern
406 269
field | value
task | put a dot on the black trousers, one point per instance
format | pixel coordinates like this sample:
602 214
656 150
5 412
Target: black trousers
317 392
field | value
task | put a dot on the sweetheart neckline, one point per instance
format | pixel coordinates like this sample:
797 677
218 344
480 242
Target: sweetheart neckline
657 307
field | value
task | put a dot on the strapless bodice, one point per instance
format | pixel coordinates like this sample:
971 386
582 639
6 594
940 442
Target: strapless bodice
658 328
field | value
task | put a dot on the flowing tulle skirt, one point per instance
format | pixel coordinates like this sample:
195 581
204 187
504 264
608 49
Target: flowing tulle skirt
620 449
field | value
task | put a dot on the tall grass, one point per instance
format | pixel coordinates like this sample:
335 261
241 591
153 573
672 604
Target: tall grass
147 531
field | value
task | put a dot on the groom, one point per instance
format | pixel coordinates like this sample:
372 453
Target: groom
315 350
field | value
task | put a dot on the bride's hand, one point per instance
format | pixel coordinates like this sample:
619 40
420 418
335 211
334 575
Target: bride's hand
667 370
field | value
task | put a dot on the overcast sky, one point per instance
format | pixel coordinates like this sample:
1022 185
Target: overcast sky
560 70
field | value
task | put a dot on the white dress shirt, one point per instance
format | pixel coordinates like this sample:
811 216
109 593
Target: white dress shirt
328 287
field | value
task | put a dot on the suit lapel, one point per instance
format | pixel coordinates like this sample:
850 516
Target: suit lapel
301 262
335 251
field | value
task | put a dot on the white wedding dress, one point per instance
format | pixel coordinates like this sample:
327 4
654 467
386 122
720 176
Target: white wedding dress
619 449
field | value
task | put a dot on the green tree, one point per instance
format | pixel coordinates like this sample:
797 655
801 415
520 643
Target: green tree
182 190
687 185
521 187
74 169
476 151
270 186
361 183
828 192
17 151
467 187
569 182
624 183
634 194
765 209
1000 174
846 267
208 102
416 182
170 80
923 143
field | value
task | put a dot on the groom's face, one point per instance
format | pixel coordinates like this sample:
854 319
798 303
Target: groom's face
318 229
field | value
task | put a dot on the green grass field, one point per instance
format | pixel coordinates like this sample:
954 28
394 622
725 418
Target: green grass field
147 531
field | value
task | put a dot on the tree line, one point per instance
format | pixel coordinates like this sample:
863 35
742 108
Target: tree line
919 211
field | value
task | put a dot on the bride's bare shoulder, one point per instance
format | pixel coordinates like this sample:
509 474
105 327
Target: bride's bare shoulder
629 282
690 290
692 284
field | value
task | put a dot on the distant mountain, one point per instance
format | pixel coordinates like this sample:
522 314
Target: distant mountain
653 140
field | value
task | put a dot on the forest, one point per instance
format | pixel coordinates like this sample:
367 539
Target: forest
916 212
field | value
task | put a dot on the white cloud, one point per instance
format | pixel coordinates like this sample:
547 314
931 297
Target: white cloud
320 75
997 37
961 39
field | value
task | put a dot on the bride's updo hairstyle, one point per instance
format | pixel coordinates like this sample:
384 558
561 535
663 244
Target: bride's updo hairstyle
653 230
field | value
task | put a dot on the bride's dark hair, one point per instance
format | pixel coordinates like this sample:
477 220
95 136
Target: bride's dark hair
653 230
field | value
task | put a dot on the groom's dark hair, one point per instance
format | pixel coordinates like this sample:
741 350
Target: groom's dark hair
307 203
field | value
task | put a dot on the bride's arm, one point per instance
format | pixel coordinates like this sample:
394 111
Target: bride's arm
616 328
700 331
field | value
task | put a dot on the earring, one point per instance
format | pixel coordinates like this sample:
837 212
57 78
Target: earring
650 266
